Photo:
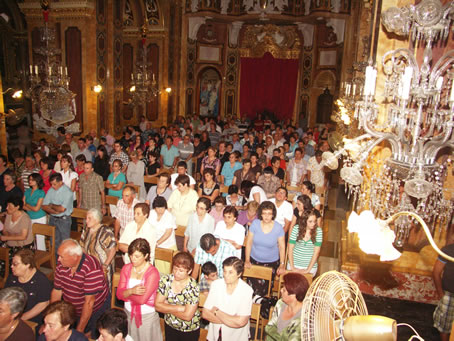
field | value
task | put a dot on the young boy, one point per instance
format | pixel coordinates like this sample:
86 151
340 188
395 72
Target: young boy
210 274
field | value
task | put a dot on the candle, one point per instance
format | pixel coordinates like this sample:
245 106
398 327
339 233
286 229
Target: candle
132 77
31 69
66 70
36 69
347 89
373 81
406 82
60 70
153 77
439 83
50 70
354 90
451 97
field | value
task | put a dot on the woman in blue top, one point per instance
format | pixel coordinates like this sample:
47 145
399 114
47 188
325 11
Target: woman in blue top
33 199
116 180
265 245
229 168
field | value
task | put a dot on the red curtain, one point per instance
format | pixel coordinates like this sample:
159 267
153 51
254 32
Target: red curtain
268 84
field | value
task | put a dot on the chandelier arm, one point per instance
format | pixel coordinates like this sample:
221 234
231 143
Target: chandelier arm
442 65
426 231
395 145
405 53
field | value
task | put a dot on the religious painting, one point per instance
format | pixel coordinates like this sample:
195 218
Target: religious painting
210 87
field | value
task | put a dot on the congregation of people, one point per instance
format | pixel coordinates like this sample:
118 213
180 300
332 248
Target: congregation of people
243 194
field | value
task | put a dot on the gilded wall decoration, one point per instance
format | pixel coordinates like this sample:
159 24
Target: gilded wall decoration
152 12
128 15
281 42
190 64
101 60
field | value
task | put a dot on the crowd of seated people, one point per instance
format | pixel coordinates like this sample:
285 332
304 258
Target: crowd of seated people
242 197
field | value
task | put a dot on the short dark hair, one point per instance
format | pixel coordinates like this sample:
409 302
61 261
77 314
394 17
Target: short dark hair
55 177
237 264
182 164
318 153
66 311
141 245
266 205
219 200
230 210
182 179
233 189
27 257
309 185
83 139
209 171
207 241
206 202
81 157
144 207
120 163
114 321
159 202
298 150
283 188
165 175
209 268
61 130
46 161
274 159
183 259
10 173
246 161
296 284
16 201
268 170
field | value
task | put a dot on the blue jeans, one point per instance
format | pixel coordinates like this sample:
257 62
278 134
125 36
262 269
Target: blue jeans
62 230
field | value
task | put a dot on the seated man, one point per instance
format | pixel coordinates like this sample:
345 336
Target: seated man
113 325
212 249
182 169
79 280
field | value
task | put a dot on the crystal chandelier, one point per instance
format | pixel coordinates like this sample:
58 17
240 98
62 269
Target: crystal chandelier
49 81
415 120
143 87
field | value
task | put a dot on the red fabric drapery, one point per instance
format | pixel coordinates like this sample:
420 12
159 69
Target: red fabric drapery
268 84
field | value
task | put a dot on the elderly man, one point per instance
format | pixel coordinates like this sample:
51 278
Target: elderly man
58 203
69 141
212 249
186 149
124 213
91 189
30 168
119 154
79 280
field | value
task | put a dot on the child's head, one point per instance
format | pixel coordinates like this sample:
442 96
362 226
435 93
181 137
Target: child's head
210 271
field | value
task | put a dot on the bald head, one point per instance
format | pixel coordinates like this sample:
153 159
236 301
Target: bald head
70 253
128 195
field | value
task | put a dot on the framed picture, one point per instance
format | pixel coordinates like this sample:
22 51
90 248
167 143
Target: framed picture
209 54
327 58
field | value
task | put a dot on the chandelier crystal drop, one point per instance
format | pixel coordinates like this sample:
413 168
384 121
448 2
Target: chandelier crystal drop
415 120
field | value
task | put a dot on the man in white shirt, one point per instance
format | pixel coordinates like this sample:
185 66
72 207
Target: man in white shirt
284 208
182 168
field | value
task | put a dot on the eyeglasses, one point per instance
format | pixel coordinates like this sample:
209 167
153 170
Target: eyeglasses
201 208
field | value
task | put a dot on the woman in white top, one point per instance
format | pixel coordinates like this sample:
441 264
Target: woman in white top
229 303
229 230
139 228
135 173
253 192
164 224
68 174
199 223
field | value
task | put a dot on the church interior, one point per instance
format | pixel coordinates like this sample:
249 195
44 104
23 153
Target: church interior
115 62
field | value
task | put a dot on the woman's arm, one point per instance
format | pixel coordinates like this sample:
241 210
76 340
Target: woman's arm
118 186
17 237
73 184
313 259
36 208
123 247
214 195
281 244
291 247
36 310
218 168
184 312
256 197
216 315
234 180
247 258
165 236
151 285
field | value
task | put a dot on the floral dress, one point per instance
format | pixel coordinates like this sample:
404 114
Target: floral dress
189 295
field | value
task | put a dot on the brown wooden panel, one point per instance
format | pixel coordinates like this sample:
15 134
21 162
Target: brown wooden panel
102 118
128 60
73 46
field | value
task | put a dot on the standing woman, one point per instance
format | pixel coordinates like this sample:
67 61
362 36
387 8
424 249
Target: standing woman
265 245
211 161
98 240
45 172
199 223
209 188
308 188
33 199
229 303
134 174
229 169
10 189
17 232
116 180
178 299
304 245
303 204
244 174
101 165
70 177
138 286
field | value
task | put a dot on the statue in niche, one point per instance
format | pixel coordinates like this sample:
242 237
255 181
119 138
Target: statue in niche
210 85
307 6
194 5
335 6
224 6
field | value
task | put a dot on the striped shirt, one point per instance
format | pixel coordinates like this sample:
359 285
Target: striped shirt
25 174
87 280
303 250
